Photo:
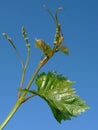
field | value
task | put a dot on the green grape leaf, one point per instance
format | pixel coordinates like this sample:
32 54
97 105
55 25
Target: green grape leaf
43 46
56 90
63 49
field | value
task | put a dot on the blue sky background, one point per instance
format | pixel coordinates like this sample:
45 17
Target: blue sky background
79 23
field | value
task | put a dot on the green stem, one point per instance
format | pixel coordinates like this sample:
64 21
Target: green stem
16 106
24 69
34 75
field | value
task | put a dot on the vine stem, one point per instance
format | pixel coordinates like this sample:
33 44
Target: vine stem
16 106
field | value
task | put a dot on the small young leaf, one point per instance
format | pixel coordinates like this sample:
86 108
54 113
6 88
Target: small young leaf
58 93
43 46
64 49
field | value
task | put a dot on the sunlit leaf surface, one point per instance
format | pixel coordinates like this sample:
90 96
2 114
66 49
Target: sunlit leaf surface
56 90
